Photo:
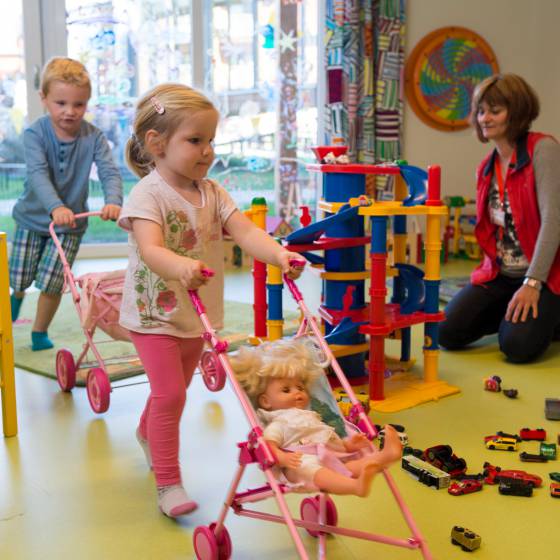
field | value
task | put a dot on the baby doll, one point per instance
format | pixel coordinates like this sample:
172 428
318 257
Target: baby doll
276 376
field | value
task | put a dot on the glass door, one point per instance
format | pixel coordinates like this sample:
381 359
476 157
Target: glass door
128 46
13 109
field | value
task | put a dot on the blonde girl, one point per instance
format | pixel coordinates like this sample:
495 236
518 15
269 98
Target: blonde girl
175 217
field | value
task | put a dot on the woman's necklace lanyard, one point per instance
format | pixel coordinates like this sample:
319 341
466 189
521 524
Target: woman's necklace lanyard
501 187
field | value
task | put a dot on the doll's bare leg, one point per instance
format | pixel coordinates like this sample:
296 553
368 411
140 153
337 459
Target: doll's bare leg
336 483
391 452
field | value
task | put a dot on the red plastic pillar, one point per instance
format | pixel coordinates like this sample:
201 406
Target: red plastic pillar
377 292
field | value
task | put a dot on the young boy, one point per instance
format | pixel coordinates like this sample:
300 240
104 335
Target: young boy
60 148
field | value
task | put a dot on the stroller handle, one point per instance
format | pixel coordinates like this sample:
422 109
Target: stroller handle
56 241
193 294
77 217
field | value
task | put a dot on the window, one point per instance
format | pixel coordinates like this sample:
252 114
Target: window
13 109
226 47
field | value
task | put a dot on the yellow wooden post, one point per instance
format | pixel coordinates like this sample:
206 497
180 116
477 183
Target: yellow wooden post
7 380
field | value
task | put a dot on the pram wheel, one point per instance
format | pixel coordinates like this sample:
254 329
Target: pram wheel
213 372
65 369
98 390
309 511
208 547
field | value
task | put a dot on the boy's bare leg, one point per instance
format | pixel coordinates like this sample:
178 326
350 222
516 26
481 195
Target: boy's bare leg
46 309
16 299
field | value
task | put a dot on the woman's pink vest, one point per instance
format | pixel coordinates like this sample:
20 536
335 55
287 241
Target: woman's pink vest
522 197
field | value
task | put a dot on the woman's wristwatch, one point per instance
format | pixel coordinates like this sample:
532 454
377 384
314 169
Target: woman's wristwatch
533 283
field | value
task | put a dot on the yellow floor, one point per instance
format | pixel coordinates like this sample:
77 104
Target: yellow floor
75 486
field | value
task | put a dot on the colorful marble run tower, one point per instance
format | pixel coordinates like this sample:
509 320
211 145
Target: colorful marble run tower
356 328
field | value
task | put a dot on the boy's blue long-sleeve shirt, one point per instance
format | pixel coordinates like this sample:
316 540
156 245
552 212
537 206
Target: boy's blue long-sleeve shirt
57 174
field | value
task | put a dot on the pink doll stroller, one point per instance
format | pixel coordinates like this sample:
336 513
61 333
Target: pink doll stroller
318 514
97 302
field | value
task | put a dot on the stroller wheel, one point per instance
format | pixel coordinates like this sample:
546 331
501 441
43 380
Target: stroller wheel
65 369
208 547
213 372
309 511
98 390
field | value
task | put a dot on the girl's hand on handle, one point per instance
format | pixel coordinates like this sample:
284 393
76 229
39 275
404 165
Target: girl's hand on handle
62 216
110 212
291 264
525 300
193 273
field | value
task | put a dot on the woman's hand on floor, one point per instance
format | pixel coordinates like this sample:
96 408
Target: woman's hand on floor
522 302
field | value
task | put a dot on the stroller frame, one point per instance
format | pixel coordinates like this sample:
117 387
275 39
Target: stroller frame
318 514
98 384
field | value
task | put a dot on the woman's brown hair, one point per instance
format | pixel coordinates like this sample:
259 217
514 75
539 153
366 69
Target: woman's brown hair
512 92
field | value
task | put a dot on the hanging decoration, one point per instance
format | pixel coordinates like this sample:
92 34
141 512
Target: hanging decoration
364 60
286 172
442 72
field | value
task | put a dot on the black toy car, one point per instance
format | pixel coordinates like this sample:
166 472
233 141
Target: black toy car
515 488
532 457
442 457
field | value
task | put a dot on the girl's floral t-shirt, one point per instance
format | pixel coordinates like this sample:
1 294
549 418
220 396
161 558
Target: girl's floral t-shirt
151 304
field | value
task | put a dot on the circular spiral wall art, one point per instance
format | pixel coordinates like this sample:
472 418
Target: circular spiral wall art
442 72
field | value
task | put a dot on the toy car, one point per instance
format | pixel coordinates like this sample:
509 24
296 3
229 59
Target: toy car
554 476
515 488
503 443
496 474
532 457
407 450
345 404
528 434
548 450
427 474
500 433
400 429
555 489
552 409
442 457
465 538
493 383
460 487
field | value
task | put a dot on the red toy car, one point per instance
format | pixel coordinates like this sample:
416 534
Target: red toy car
555 489
493 383
528 434
460 487
493 475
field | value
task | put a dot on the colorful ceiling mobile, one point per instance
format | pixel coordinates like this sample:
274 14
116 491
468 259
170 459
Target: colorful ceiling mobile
442 72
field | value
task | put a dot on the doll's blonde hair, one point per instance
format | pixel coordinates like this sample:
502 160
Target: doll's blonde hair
255 366
65 70
161 109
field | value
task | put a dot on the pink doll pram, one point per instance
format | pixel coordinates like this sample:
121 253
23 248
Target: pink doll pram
97 297
318 515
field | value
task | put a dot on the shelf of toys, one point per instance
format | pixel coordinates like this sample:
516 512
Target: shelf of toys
460 234
7 381
355 327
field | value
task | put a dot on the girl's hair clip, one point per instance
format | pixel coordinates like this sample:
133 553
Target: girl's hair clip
160 109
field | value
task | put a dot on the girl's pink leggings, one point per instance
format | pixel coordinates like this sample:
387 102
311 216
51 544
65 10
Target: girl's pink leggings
169 362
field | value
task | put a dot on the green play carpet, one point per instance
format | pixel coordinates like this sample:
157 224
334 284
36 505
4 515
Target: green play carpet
65 332
450 286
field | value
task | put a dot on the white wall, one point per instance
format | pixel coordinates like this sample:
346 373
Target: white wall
525 36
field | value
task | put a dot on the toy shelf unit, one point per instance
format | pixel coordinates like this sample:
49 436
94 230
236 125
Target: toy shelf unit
7 379
460 234
356 327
